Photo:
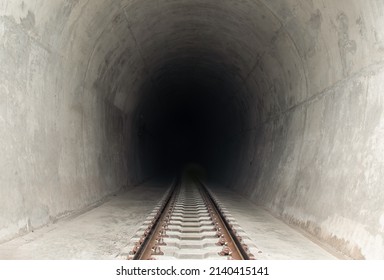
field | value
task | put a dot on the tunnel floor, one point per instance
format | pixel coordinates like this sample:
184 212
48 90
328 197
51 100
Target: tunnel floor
104 231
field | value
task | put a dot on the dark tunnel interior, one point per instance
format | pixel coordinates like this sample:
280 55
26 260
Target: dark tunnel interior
279 101
189 117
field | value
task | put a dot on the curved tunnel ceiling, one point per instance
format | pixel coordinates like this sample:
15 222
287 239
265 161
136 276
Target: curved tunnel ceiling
228 40
299 80
242 46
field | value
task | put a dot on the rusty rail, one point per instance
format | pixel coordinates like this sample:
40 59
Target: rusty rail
152 240
229 239
153 236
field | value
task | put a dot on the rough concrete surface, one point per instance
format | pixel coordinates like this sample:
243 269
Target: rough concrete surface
99 233
103 232
309 80
274 239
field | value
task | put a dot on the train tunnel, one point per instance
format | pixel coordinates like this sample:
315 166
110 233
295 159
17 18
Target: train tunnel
280 101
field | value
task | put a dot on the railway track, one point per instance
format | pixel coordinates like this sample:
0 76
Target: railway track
190 223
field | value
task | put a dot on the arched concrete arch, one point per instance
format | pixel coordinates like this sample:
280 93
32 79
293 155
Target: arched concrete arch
296 84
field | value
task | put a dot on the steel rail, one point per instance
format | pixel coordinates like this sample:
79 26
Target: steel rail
152 240
153 234
232 245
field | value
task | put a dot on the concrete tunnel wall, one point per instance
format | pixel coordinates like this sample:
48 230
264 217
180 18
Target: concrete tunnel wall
310 81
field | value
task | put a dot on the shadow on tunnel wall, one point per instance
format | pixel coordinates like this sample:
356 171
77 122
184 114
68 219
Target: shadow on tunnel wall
279 100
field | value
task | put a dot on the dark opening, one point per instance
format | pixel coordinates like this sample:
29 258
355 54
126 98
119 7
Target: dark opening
190 117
